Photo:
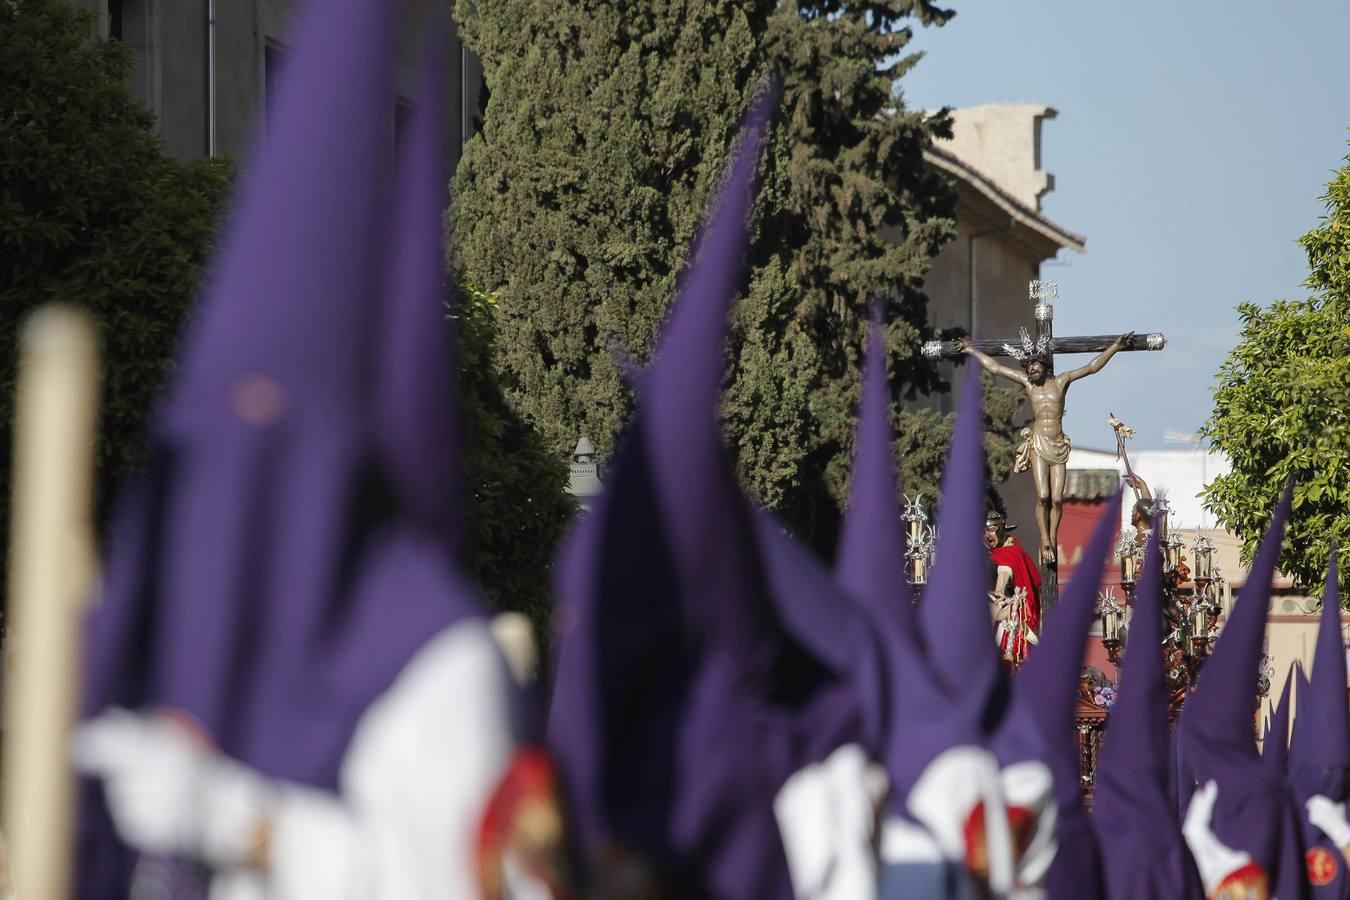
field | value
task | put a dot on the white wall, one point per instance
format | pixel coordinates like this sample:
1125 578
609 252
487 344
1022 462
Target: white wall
1180 474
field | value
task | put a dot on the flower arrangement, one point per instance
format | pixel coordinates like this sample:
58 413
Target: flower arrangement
1104 696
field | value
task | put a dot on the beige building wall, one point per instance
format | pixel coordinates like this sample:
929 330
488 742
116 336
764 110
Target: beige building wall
1003 140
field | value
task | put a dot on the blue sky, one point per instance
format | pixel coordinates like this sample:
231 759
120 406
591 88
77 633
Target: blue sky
1193 141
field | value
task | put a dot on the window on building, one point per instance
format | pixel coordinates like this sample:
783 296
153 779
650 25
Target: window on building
129 22
275 58
115 20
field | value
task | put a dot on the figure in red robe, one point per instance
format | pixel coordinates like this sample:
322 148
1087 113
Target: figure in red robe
1016 596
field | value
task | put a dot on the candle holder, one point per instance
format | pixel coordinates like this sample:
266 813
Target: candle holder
919 555
1174 546
1199 637
1266 676
1192 593
922 536
1127 549
1113 624
1161 510
1202 555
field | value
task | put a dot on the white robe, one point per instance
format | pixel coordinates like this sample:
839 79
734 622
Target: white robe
421 768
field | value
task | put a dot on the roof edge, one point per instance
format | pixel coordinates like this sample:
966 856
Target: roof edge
1020 213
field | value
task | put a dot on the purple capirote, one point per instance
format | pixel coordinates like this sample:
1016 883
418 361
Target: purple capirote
1275 747
681 703
962 691
870 566
1254 811
1133 812
1039 723
1319 757
263 576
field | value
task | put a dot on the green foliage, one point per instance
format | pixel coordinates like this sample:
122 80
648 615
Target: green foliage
1282 407
923 437
518 504
93 213
606 130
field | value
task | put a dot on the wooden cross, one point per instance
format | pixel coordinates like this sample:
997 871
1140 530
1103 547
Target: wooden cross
1044 347
1042 292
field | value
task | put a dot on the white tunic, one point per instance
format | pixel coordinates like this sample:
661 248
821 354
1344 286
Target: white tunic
423 763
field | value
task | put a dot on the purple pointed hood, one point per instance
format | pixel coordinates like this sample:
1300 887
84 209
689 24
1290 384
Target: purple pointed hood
260 576
262 459
1133 811
1275 748
1301 697
1181 776
681 391
668 638
1320 757
1040 721
870 562
417 410
954 616
953 696
286 300
1039 724
1253 811
1320 753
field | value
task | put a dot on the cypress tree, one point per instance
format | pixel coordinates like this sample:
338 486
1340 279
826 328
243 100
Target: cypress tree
606 129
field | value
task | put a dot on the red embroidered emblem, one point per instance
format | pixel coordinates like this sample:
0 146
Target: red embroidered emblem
1321 866
1248 882
1021 825
523 820
977 851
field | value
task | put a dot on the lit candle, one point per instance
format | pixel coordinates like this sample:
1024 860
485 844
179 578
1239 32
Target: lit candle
1127 567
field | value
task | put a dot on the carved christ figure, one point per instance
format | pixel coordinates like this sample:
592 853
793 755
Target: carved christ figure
1045 448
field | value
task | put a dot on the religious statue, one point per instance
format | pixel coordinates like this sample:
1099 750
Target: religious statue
1045 446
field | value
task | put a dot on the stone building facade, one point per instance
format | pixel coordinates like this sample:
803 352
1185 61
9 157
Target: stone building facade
207 68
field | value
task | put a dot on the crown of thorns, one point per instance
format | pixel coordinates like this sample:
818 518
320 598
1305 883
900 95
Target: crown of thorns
1039 349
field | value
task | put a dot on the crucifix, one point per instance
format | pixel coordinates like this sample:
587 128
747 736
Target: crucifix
1045 448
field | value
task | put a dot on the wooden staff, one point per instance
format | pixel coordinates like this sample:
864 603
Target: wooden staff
1124 433
51 572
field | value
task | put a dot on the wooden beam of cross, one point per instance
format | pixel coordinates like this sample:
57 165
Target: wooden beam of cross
1045 448
1042 292
1092 343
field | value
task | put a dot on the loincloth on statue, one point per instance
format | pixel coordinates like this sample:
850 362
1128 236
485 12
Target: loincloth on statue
1055 451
